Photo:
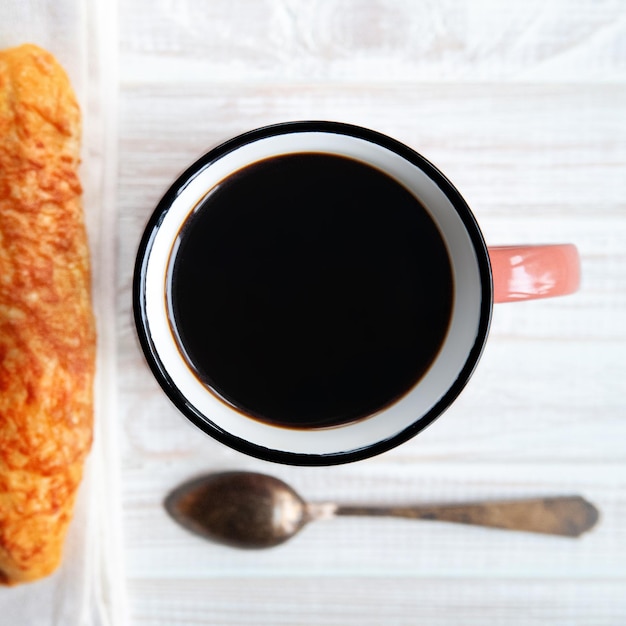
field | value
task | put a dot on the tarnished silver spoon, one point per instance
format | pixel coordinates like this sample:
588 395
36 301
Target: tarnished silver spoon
250 510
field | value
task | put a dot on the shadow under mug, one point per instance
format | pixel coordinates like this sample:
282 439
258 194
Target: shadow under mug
481 277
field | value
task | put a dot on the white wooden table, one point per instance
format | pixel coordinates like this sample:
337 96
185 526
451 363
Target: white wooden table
523 105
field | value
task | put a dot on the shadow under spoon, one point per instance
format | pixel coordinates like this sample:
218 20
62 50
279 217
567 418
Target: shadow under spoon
251 510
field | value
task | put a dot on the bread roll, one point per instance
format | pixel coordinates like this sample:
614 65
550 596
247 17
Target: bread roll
47 336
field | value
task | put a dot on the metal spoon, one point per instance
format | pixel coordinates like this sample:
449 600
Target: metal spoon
250 510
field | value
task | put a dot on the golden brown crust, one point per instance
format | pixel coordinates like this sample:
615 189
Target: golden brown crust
47 337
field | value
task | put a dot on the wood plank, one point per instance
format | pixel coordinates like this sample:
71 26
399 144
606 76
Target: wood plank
373 42
511 410
364 547
357 601
562 184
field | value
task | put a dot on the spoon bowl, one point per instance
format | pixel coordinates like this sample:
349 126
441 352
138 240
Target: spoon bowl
240 509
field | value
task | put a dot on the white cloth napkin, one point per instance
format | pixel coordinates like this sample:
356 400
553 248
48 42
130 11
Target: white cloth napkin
88 589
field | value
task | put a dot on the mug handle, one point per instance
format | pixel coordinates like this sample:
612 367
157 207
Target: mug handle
530 272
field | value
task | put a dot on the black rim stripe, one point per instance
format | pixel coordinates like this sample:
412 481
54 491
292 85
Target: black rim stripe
201 421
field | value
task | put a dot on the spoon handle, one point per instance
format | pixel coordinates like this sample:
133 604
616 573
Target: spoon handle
569 516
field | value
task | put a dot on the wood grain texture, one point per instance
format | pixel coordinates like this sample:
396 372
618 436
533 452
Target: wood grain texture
374 41
522 106
361 601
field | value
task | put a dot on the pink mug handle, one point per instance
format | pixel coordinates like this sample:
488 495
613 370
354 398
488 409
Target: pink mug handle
528 272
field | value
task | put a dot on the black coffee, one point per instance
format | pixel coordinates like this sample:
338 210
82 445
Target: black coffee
310 290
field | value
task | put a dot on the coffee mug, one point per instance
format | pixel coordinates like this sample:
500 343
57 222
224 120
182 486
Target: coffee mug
316 293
